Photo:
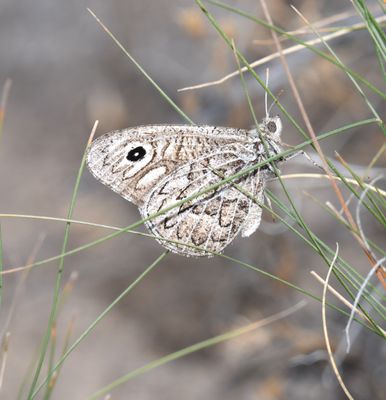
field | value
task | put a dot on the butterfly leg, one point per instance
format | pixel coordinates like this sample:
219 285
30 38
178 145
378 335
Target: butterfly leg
307 157
268 200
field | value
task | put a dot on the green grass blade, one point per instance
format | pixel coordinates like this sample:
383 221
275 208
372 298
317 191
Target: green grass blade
148 77
209 188
194 348
53 312
97 320
345 271
351 77
375 31
299 41
297 215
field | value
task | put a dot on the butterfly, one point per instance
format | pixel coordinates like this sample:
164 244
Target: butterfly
157 166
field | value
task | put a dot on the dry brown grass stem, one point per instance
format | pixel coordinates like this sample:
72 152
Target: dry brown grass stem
305 30
325 330
335 293
21 283
334 185
15 300
381 274
4 99
337 178
4 356
289 50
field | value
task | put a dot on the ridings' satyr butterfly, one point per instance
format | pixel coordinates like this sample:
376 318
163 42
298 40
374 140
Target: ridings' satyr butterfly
156 166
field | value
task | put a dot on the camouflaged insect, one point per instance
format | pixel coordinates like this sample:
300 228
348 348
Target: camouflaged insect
156 166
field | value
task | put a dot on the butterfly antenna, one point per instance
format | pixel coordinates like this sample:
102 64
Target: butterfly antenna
266 94
275 101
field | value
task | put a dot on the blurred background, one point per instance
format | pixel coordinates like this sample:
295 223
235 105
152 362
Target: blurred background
66 72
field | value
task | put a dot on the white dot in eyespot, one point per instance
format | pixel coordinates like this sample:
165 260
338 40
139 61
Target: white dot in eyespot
136 154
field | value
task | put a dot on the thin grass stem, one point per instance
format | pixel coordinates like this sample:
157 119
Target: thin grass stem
196 347
56 296
97 320
141 69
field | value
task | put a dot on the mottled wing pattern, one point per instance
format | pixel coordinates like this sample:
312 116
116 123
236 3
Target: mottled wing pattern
172 163
167 148
211 221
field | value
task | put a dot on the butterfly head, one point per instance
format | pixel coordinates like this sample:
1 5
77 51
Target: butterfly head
271 128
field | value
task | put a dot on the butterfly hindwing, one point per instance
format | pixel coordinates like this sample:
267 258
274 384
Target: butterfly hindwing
206 223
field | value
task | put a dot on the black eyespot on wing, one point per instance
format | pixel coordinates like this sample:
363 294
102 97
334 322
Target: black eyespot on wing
136 154
271 126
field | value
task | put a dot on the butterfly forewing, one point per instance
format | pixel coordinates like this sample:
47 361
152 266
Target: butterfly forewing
163 150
